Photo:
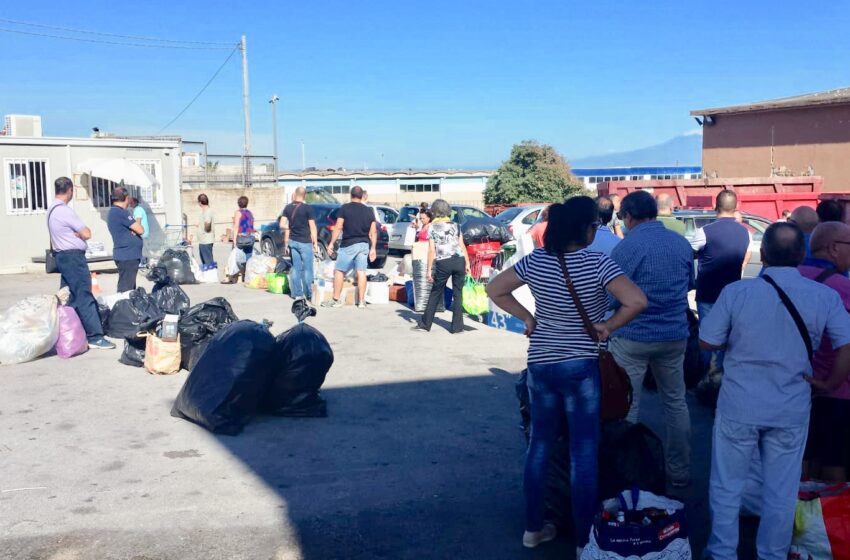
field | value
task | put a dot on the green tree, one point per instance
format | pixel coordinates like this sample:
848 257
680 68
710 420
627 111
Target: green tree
534 172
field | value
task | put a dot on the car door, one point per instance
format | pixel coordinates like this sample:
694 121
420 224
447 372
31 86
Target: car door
524 223
402 232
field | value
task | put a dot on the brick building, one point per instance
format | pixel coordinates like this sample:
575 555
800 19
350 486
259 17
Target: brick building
793 136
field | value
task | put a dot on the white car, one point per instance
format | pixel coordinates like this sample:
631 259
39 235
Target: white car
519 219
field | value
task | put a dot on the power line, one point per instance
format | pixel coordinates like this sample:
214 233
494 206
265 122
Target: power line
105 34
220 68
103 42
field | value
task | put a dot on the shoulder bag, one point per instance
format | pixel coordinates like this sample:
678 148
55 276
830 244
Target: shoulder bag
789 305
617 392
50 266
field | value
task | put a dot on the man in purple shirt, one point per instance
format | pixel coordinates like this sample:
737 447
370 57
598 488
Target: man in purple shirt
68 235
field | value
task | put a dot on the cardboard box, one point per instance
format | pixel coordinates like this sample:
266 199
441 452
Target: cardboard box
323 291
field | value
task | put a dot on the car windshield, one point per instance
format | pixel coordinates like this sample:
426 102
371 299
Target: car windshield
407 214
508 215
320 197
756 227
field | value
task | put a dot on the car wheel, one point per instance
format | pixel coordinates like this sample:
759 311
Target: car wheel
322 253
268 248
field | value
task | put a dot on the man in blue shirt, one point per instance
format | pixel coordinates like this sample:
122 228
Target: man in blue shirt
605 239
126 240
765 398
660 262
722 247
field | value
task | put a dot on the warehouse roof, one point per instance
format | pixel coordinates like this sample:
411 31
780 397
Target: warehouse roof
831 97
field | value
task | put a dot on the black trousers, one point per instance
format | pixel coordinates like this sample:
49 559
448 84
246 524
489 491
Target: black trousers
454 268
127 272
76 275
205 251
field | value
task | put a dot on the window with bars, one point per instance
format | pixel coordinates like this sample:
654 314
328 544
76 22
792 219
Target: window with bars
420 187
26 186
150 195
101 190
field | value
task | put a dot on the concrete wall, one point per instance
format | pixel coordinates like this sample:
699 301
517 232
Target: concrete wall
26 234
739 145
265 203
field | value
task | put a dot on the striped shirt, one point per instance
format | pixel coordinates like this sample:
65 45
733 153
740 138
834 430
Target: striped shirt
560 335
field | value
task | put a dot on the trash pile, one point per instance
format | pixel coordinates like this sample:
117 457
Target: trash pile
245 371
36 325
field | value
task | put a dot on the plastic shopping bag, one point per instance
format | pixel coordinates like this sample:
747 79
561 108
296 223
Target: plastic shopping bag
822 522
475 300
28 329
258 265
161 356
277 283
72 336
639 524
234 261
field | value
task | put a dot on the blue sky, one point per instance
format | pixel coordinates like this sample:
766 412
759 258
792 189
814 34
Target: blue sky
428 84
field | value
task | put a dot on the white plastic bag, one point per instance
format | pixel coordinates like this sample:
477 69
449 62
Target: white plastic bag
377 293
209 276
109 300
259 265
236 258
28 329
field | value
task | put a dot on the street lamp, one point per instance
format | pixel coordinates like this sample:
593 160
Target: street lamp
273 102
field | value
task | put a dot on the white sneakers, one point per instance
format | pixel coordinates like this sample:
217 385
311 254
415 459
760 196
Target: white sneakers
532 539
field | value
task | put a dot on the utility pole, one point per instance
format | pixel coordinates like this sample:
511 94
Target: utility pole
246 108
273 102
303 160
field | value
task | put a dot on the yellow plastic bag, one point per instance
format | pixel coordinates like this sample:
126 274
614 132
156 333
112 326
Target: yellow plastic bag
162 357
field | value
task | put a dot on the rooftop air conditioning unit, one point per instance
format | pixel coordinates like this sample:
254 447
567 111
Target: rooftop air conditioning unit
23 125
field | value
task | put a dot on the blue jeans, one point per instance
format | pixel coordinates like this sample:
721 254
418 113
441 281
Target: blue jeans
76 275
301 277
205 251
732 453
571 387
711 359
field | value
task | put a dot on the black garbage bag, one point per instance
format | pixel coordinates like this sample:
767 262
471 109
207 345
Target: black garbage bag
305 405
379 277
302 310
301 362
199 324
223 389
139 312
693 366
134 352
482 230
103 311
178 266
629 455
283 266
169 296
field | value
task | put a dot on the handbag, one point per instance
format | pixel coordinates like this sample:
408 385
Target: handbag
245 240
50 266
617 392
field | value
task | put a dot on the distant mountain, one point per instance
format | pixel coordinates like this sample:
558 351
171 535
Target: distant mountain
681 150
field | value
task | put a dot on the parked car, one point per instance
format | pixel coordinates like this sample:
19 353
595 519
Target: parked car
519 219
271 242
756 225
402 232
320 195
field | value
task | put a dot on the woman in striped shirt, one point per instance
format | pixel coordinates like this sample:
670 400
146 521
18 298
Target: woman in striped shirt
563 367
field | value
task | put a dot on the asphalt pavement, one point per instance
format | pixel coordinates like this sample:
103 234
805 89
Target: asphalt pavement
421 455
